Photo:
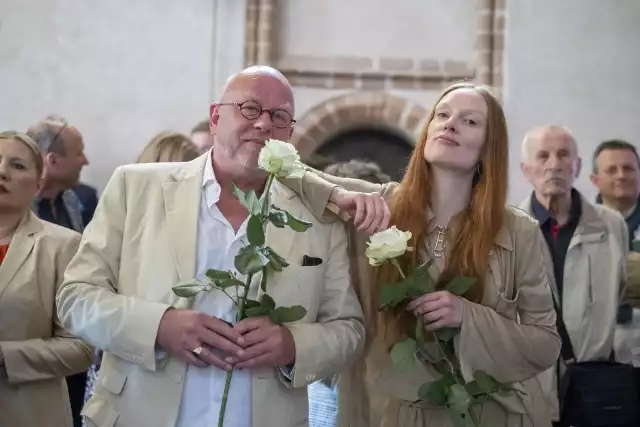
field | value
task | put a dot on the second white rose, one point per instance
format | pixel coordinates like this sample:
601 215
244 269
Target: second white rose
280 158
386 245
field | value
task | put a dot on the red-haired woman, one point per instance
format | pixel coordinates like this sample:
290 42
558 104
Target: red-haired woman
453 200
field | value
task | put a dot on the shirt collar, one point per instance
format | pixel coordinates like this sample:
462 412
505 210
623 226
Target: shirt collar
541 213
210 186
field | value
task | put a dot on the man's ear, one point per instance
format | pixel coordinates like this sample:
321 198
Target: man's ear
50 159
214 117
578 168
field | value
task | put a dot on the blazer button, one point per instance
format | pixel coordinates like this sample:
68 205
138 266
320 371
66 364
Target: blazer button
177 379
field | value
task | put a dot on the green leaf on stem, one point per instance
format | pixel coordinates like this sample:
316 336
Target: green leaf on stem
190 288
227 283
403 352
486 382
263 279
251 303
460 285
267 302
447 334
297 224
474 389
249 200
277 217
275 261
458 399
392 294
256 312
250 260
434 393
255 232
214 274
288 314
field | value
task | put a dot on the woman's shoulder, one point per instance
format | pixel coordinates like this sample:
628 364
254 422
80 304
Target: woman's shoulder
56 235
519 223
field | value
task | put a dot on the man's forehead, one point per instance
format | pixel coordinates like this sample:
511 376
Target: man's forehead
266 100
267 90
618 156
554 140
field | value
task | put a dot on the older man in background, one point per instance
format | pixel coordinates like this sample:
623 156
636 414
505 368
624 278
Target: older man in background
62 147
587 245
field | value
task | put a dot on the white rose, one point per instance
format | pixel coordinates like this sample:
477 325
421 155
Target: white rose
280 158
386 245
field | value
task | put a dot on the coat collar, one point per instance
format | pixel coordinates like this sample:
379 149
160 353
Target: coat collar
19 249
182 198
590 222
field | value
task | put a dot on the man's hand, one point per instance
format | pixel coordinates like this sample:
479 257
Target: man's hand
369 211
439 310
266 345
182 331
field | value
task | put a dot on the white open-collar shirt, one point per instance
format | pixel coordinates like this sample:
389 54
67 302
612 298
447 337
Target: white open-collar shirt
217 246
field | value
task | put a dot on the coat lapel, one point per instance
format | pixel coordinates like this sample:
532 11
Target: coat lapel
19 249
281 239
182 193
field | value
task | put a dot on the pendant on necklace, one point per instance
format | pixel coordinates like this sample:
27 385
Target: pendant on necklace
440 245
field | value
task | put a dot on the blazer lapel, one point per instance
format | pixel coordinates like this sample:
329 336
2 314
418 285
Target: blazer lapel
281 239
19 249
182 195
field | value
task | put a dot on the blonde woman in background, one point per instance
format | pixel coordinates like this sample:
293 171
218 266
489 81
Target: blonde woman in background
36 353
168 147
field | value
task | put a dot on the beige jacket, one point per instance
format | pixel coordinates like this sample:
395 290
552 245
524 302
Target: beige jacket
593 285
511 335
140 243
38 352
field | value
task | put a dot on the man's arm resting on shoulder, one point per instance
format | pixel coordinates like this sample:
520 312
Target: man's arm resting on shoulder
88 302
337 338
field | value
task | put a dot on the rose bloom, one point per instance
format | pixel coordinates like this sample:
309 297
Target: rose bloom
386 245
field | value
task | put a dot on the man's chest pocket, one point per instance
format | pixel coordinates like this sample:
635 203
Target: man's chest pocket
299 285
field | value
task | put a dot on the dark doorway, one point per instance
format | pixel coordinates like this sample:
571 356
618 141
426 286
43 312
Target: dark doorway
390 151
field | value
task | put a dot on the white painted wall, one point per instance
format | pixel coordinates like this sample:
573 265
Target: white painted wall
574 63
372 28
122 71
119 70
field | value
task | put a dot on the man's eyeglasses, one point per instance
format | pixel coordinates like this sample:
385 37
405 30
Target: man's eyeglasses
251 110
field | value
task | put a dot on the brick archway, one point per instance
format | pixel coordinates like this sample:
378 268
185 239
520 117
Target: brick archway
359 109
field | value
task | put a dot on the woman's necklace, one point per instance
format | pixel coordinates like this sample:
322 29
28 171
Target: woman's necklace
440 245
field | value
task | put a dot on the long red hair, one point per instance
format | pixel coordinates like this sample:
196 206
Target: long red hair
477 226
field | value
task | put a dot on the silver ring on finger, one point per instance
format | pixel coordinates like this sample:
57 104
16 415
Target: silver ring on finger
197 351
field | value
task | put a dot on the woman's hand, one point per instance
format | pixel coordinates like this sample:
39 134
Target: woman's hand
439 310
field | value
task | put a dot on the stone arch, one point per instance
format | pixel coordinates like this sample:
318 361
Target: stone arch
359 109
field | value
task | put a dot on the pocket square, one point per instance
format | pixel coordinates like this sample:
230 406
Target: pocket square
309 261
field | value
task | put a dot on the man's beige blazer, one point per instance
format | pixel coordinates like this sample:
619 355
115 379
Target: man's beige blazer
38 353
140 243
